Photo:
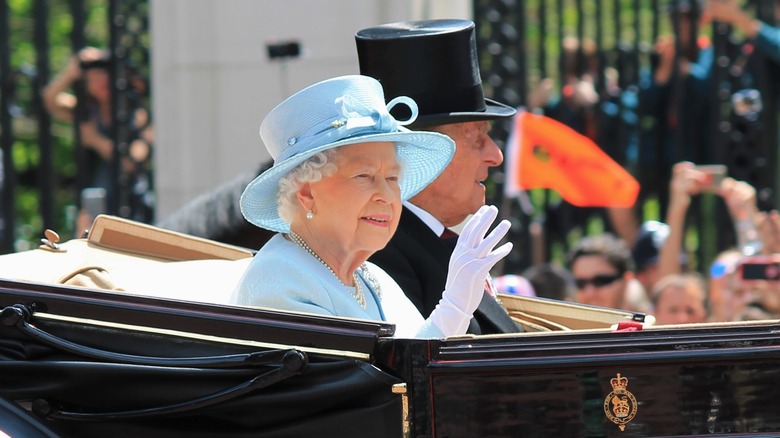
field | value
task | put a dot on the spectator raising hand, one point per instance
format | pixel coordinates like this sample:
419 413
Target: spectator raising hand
739 196
91 109
686 182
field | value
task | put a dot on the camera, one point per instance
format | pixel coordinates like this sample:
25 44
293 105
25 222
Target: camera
100 60
284 49
759 268
715 173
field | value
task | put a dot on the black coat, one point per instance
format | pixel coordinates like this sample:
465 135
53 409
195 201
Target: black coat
418 260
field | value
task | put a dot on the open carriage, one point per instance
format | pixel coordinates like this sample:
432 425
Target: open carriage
127 333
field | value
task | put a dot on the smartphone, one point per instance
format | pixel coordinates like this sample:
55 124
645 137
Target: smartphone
93 201
715 174
757 268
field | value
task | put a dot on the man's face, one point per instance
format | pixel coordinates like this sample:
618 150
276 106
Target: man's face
598 283
459 191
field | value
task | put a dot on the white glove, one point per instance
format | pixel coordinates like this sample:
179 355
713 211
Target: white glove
470 263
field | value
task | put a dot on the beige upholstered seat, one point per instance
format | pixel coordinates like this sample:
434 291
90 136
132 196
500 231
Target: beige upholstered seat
135 258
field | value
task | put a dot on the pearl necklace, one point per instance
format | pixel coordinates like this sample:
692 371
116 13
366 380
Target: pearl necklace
359 294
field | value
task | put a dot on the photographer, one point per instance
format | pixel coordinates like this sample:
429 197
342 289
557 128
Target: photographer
94 118
726 297
744 282
758 276
688 180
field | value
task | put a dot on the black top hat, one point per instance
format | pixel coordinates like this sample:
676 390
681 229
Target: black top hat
435 63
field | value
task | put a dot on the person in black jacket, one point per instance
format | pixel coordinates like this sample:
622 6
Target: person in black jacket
435 63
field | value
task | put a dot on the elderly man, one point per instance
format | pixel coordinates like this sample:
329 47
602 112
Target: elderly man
435 63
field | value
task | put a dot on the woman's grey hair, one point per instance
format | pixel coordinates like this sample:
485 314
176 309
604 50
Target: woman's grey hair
315 168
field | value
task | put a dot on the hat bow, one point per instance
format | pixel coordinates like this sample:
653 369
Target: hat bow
355 119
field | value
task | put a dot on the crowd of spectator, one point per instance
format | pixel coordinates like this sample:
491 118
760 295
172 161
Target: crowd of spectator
645 266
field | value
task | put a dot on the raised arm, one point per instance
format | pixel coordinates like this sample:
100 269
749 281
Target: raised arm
56 98
729 11
768 224
686 181
766 37
740 198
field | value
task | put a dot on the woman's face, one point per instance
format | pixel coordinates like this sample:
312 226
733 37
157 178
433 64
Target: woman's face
588 271
359 206
98 85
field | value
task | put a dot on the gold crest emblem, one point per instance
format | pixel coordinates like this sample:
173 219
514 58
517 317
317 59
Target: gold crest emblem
620 406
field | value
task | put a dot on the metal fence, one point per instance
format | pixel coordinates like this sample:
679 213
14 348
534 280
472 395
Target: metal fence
31 157
614 42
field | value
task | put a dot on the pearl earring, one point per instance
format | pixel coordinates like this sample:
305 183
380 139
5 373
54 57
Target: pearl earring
309 215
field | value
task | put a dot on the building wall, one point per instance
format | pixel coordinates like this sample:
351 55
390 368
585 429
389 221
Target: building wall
213 81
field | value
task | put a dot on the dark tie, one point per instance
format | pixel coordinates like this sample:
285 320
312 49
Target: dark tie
448 235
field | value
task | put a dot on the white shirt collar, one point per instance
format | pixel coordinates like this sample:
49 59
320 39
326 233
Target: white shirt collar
427 218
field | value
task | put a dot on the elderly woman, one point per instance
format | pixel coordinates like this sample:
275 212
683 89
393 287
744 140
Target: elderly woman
342 167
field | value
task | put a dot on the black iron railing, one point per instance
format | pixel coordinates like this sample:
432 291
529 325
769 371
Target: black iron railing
21 83
522 42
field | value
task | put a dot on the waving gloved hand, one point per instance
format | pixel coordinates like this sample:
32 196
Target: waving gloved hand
470 263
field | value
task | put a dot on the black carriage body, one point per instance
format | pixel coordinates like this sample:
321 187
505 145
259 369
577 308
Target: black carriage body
706 380
90 363
93 364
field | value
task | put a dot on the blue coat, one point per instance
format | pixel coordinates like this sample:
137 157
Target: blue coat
282 275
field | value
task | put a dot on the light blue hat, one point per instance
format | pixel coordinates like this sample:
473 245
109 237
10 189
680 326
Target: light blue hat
338 112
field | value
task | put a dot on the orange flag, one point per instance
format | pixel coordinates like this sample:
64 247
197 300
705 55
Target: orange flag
545 153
